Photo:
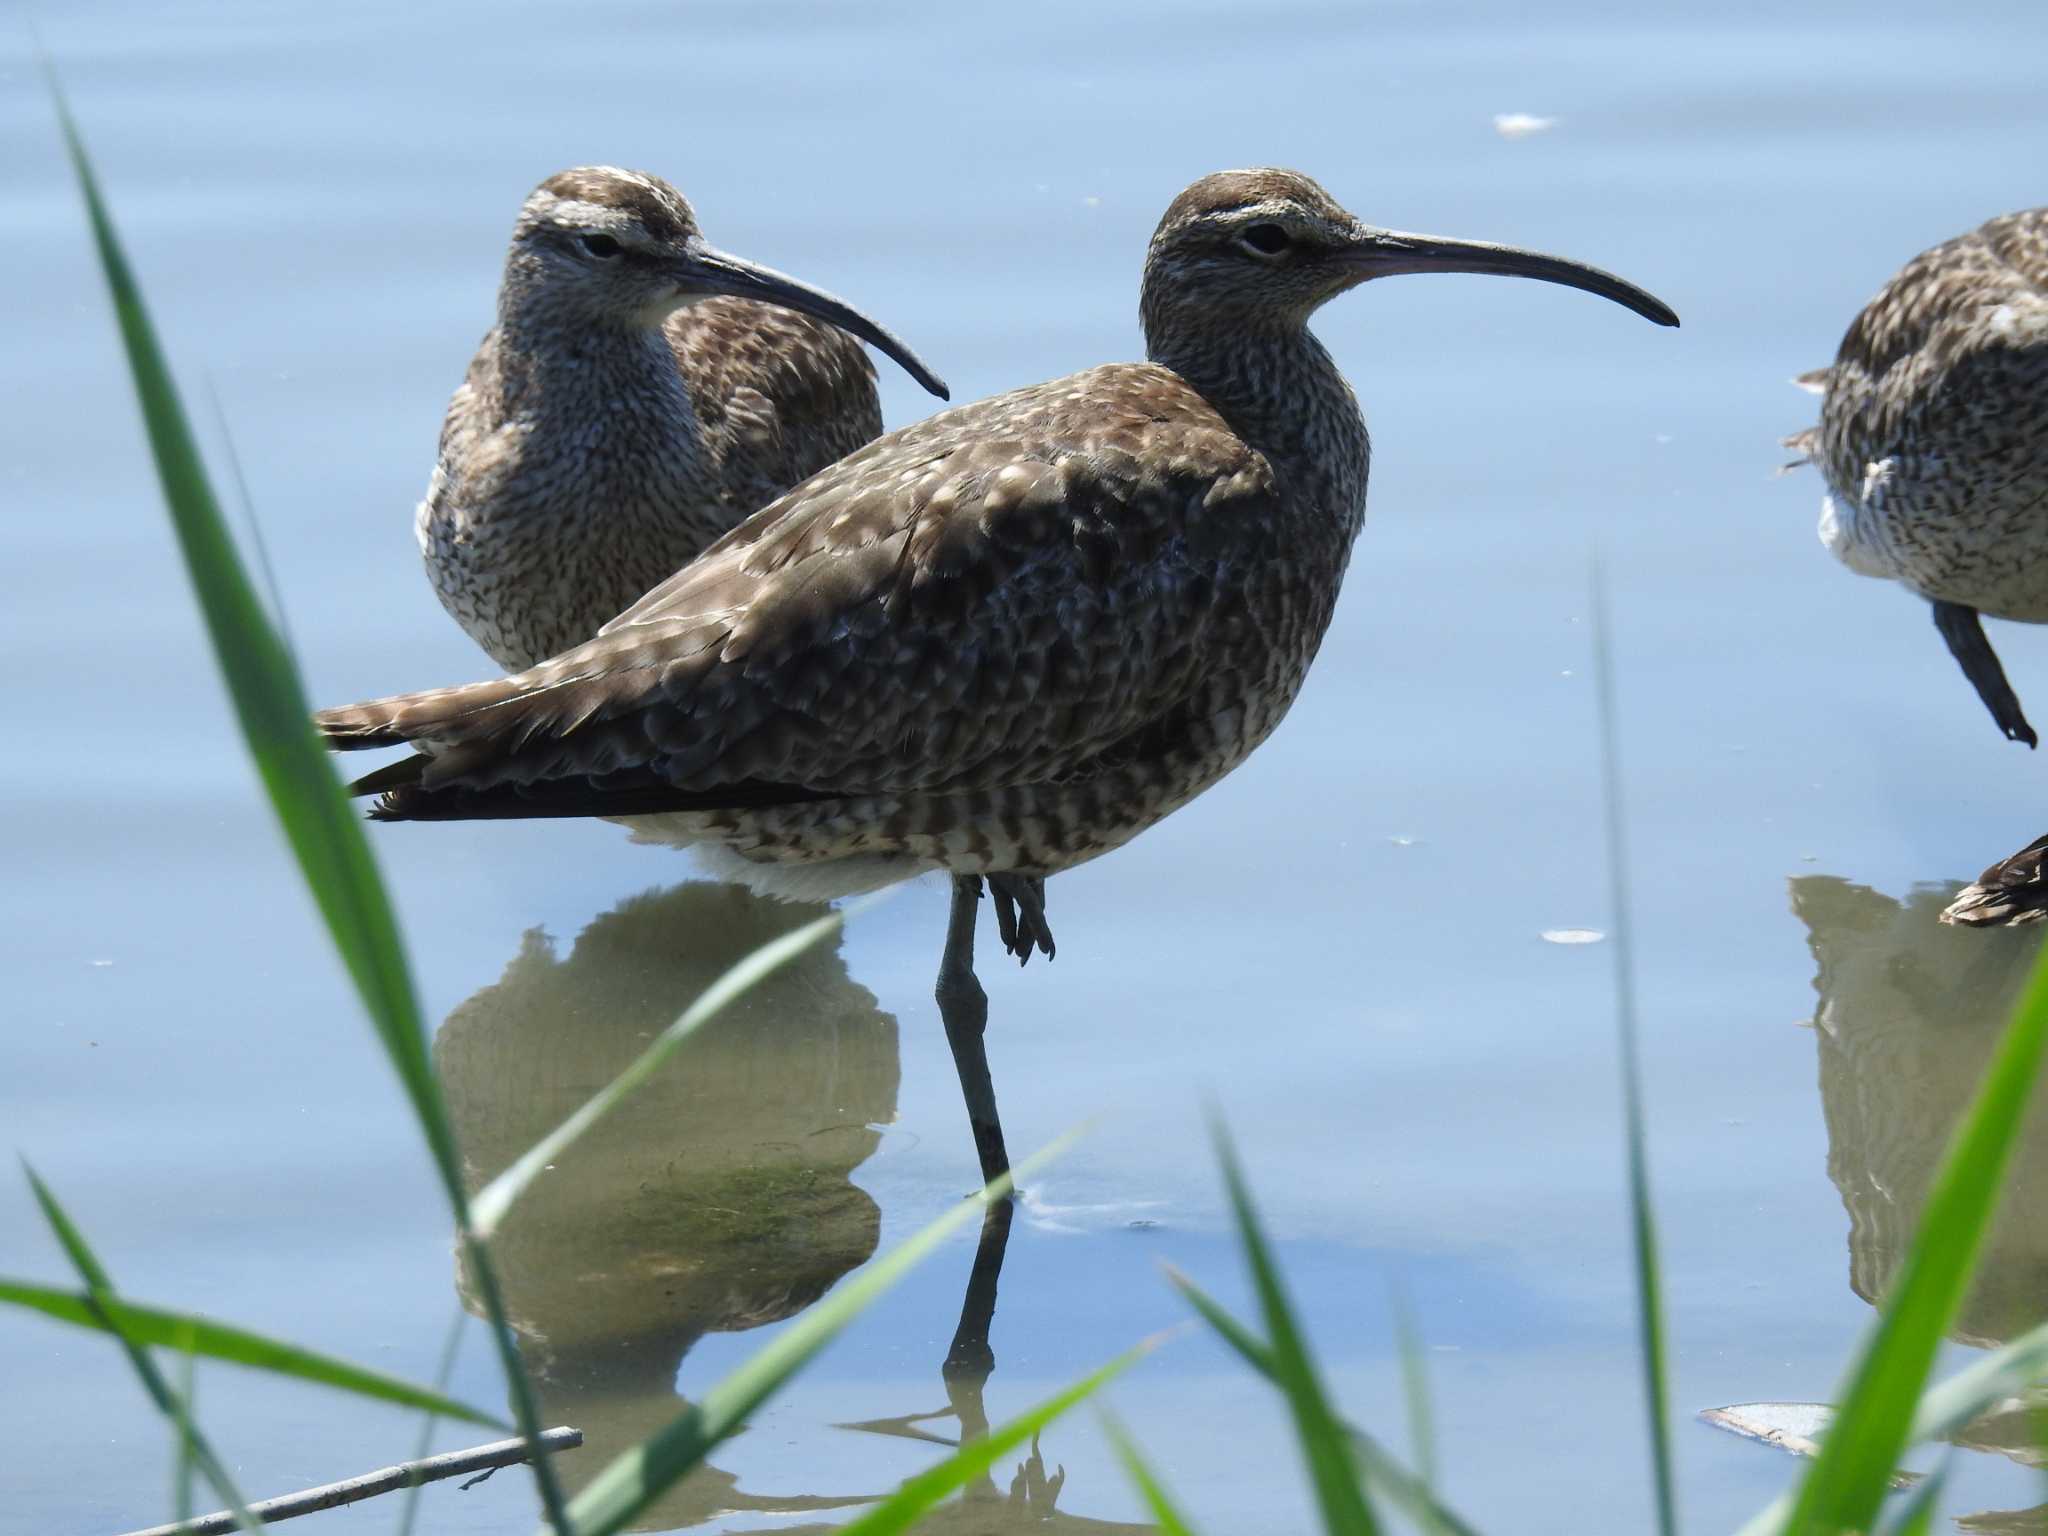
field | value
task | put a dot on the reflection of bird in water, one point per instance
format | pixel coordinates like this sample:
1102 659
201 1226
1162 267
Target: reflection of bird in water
2005 1522
1933 439
717 1197
1909 1014
1000 642
983 1509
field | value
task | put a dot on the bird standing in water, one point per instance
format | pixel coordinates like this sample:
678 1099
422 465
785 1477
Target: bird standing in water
997 643
1933 440
640 394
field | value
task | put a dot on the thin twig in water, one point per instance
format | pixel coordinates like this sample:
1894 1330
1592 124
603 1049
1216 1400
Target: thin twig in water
428 1469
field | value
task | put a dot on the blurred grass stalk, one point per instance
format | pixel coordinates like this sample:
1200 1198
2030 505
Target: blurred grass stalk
1642 1214
1380 1467
194 1451
271 707
1325 1447
193 1335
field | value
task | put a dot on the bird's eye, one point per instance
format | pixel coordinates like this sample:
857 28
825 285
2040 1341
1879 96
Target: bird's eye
1266 239
599 245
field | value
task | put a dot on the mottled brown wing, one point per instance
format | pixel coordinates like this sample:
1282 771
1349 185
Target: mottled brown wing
779 395
995 595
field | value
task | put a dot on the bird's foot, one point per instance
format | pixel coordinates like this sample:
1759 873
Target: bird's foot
1020 915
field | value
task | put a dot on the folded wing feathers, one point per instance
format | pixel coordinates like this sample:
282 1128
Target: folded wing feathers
983 585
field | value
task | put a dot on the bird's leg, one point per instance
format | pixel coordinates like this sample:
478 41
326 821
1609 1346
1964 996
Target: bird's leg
1026 894
1963 629
963 1006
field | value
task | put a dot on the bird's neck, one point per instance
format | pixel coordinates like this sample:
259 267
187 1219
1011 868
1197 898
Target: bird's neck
593 378
1280 391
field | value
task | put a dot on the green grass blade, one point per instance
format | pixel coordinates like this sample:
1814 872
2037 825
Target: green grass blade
1876 1412
1324 1445
1253 1350
1165 1514
1949 1406
1980 1386
1917 1518
1771 1519
319 826
1383 1470
1415 1389
636 1478
239 1346
252 527
449 1348
182 1469
488 1209
1642 1221
264 688
903 1508
99 1288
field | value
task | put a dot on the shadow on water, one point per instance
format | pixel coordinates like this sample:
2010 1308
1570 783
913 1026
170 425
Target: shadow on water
717 1198
1909 1014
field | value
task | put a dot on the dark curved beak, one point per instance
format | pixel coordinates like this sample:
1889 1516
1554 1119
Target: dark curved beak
1389 252
707 269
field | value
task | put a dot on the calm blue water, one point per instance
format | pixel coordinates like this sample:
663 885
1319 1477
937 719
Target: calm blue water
1339 946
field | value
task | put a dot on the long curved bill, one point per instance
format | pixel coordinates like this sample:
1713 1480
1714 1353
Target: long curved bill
1390 252
707 269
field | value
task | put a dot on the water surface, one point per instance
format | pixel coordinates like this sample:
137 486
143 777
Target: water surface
1339 946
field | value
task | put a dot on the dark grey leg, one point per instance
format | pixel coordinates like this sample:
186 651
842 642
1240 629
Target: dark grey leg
1964 631
963 1006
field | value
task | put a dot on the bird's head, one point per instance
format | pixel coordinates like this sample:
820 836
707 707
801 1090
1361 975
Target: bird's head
599 246
1269 247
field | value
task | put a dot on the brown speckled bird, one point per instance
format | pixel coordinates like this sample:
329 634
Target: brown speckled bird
997 643
640 394
1933 439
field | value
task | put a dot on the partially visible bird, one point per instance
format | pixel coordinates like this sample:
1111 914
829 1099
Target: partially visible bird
1933 440
2014 890
999 642
641 393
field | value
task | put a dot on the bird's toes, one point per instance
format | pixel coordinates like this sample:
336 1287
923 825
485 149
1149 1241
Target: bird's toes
1039 935
1035 932
1020 915
1006 916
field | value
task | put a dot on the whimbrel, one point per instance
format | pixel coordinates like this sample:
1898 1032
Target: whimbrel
1933 439
640 394
999 642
